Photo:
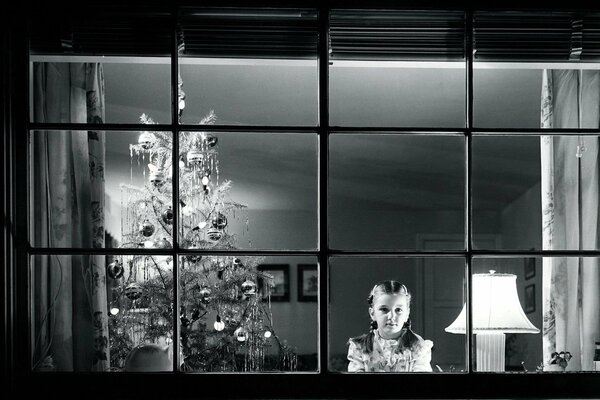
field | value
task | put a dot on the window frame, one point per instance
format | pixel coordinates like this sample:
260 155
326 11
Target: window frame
323 383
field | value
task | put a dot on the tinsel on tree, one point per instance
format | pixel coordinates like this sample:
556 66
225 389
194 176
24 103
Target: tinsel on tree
224 301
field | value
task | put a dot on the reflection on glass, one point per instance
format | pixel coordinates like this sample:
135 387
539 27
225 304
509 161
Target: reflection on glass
243 190
558 296
535 192
97 189
117 318
372 94
396 191
236 313
98 91
409 303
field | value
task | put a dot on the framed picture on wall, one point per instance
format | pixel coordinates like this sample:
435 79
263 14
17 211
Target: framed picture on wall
529 298
280 289
529 268
308 282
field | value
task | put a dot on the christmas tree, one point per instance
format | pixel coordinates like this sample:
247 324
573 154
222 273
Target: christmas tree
225 313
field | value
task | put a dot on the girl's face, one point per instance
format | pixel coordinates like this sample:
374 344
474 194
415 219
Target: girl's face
390 311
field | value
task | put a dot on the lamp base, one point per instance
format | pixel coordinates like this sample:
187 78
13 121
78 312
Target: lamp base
490 351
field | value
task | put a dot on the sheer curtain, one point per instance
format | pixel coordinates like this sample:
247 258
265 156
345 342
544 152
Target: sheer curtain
69 309
570 183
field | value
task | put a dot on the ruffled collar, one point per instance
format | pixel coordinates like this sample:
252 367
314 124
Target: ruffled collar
389 342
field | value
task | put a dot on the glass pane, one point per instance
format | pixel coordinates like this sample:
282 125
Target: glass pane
241 313
248 190
376 94
100 189
260 70
533 192
436 297
396 191
101 313
540 314
100 89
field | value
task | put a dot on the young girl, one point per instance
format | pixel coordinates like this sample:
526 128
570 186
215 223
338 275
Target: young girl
390 346
148 358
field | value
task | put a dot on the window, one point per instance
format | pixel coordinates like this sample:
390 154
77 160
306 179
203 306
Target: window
217 190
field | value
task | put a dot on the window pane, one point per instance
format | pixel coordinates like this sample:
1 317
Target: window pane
436 287
248 190
101 313
242 313
396 191
397 68
99 189
526 192
260 70
540 306
100 89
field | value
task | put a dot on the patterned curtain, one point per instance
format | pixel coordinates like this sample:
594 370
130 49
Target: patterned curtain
69 310
570 183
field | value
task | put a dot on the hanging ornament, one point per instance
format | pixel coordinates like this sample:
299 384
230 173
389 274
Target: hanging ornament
157 178
147 140
249 288
214 234
162 244
237 263
241 334
205 180
193 258
219 221
211 140
205 294
267 334
133 291
114 311
167 216
194 157
147 228
219 325
115 269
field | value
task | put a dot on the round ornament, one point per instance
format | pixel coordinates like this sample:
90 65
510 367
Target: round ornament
157 178
241 334
162 244
267 334
167 216
115 269
205 294
237 262
211 140
194 157
249 288
214 234
147 228
114 311
219 221
133 291
147 140
219 325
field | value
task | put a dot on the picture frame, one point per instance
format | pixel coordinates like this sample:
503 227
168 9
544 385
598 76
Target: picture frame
529 298
529 268
308 282
280 291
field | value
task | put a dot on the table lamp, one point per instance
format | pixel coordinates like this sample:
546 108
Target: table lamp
496 311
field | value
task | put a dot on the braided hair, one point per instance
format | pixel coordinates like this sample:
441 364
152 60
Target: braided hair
407 336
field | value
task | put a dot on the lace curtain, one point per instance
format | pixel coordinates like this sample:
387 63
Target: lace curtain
570 183
69 309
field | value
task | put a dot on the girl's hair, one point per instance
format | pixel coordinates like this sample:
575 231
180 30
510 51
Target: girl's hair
147 357
407 337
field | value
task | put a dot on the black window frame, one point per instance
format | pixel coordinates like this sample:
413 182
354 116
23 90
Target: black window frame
20 379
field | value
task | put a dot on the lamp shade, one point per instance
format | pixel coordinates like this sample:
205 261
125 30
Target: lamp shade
496 307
